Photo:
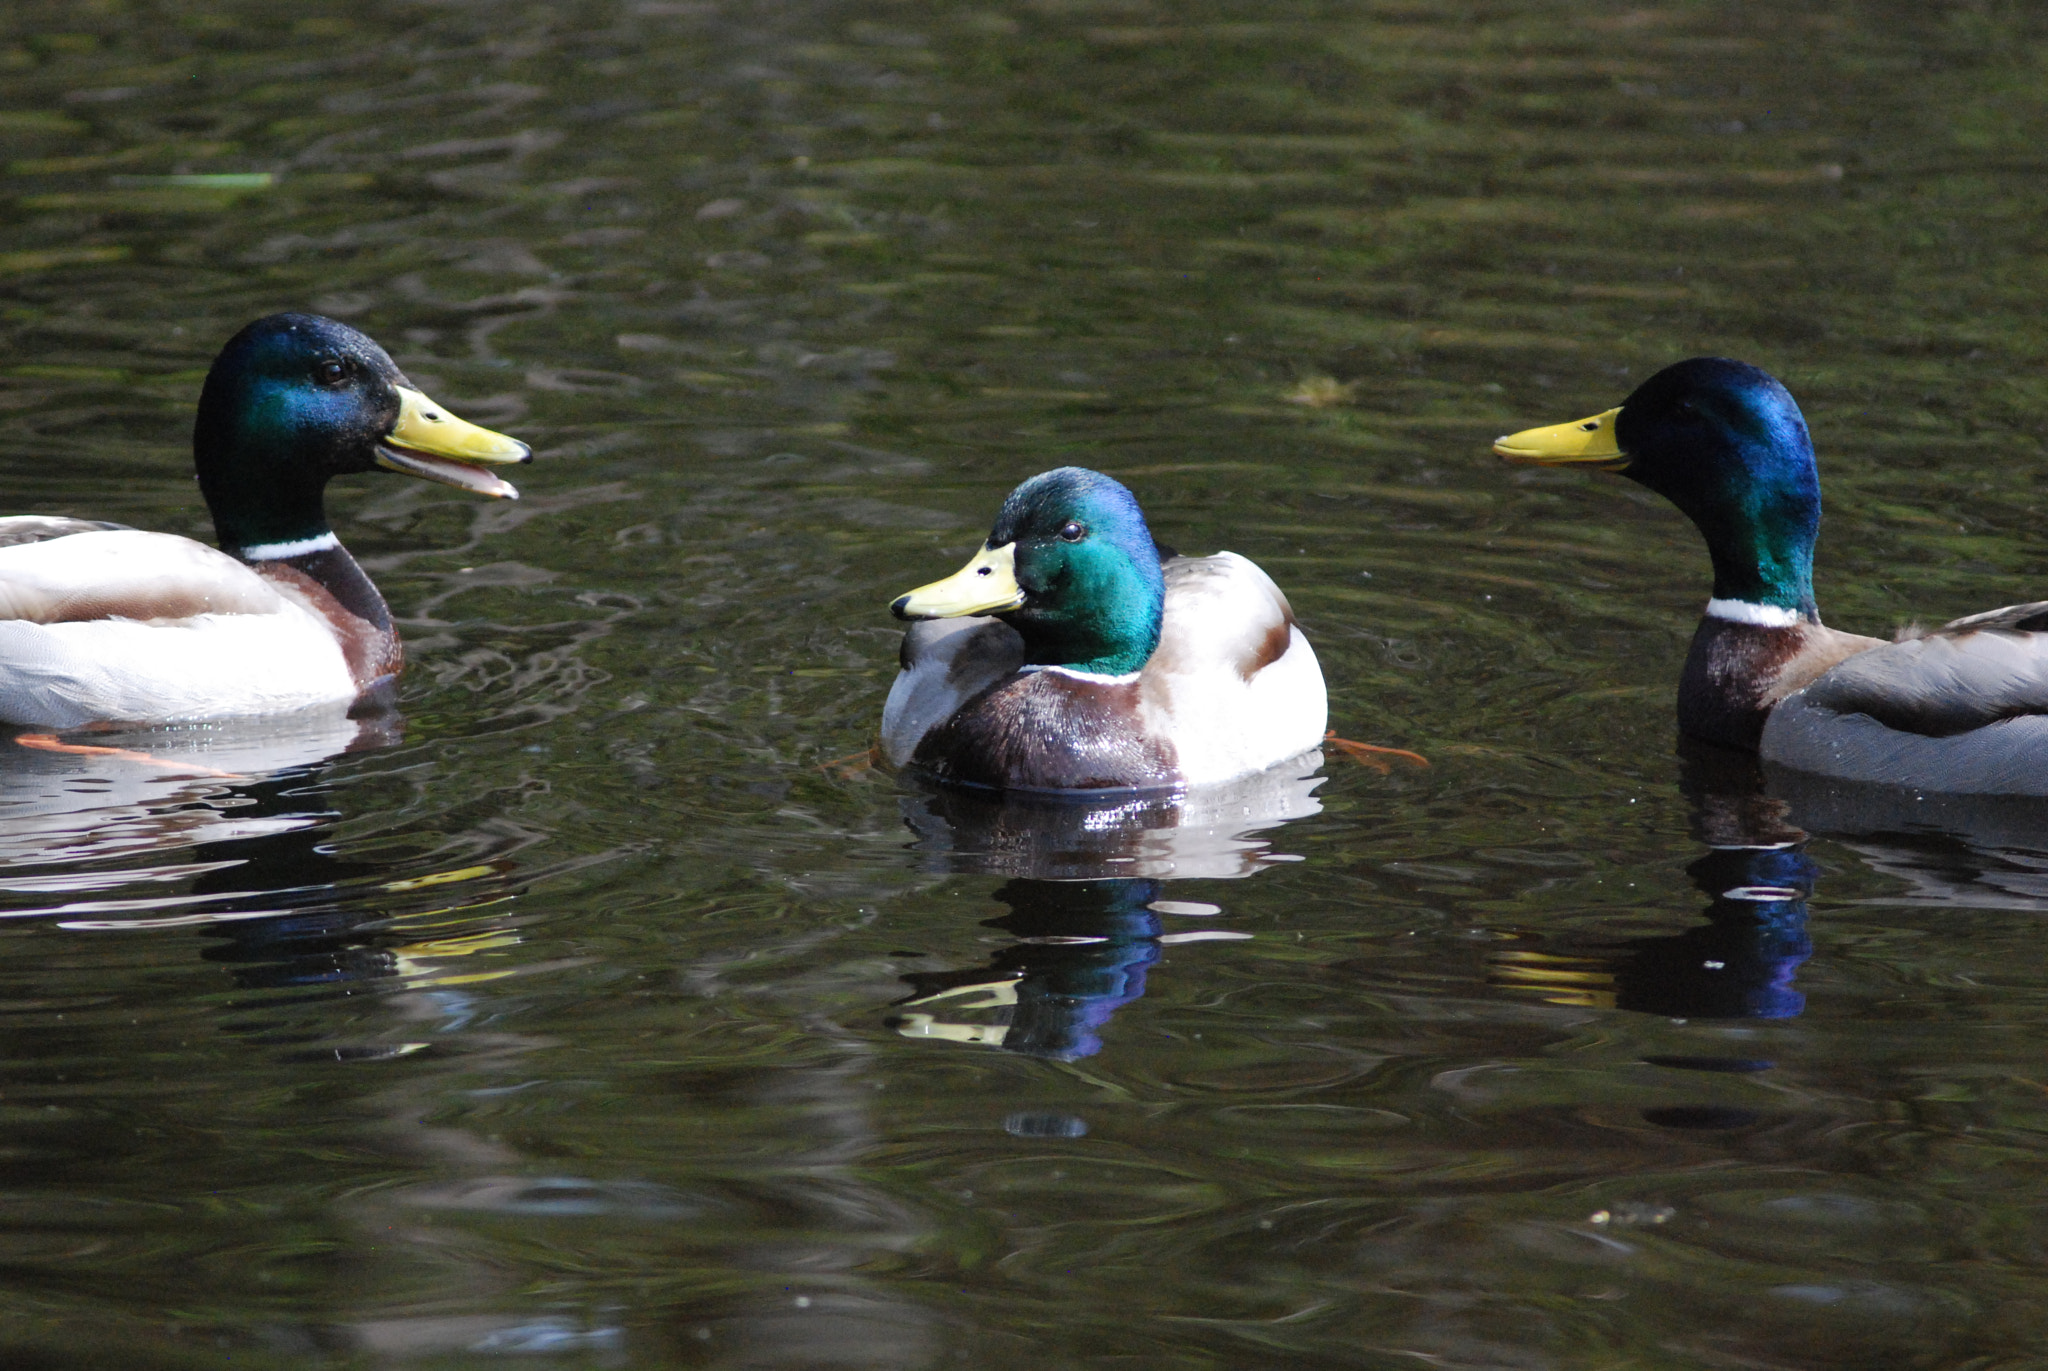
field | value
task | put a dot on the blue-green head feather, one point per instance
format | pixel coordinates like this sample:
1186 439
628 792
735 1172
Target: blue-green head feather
1726 443
292 400
1093 588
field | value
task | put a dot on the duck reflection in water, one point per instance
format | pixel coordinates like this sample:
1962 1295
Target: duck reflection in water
221 824
1741 963
228 826
343 922
1086 898
324 918
1081 953
104 794
1948 851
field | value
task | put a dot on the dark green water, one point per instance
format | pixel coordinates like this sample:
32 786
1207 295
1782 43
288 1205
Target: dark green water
566 1030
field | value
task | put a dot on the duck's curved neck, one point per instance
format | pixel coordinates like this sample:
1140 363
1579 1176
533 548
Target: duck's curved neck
1764 560
1759 532
275 518
327 563
1109 633
271 513
1761 614
1089 657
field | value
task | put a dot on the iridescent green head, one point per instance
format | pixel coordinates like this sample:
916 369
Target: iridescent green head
295 399
1071 565
1726 443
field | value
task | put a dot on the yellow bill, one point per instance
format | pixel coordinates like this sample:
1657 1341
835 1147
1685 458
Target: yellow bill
1585 442
429 441
986 585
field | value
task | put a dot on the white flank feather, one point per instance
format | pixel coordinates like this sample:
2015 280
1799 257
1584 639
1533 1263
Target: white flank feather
1219 610
149 627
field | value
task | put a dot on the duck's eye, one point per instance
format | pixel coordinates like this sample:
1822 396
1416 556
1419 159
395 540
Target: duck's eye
331 373
1071 532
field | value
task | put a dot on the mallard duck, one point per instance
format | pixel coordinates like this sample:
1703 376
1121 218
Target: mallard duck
103 622
1961 708
1103 667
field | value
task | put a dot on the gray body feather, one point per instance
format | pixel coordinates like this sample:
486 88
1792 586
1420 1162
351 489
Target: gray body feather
1961 710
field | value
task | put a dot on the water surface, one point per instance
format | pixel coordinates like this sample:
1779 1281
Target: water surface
612 1014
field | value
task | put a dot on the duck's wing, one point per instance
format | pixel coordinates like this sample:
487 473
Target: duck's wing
1945 683
1222 614
37 528
120 624
945 664
2027 618
1960 711
1969 673
93 574
1233 684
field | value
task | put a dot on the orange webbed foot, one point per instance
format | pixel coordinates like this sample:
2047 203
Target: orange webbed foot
49 742
1380 759
852 764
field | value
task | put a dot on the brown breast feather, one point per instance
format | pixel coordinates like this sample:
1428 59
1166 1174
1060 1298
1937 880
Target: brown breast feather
1735 673
1044 730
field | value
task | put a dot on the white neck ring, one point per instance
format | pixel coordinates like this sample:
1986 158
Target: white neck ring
277 552
1092 677
1762 616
